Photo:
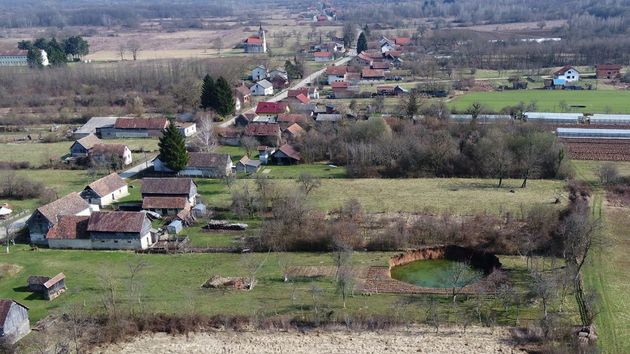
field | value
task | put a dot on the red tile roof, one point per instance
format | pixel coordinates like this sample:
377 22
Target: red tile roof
168 186
243 91
107 184
402 40
70 227
336 70
340 84
608 67
394 53
323 54
271 107
254 40
291 118
70 204
295 129
302 98
563 70
290 152
208 160
262 130
116 221
141 123
369 73
294 93
380 65
108 149
164 203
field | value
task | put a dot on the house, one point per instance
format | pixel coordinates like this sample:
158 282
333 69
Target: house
259 73
243 97
256 43
48 287
264 154
344 90
380 65
120 230
262 88
336 73
362 59
328 117
170 188
265 119
286 119
299 99
387 46
272 108
201 164
372 75
244 119
567 73
266 134
608 71
81 147
294 131
386 90
106 190
186 128
70 233
14 323
94 126
135 128
278 73
402 41
115 154
286 155
15 57
165 206
310 92
48 215
323 56
247 165
229 137
279 82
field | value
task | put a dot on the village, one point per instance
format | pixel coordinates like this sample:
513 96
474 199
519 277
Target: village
310 171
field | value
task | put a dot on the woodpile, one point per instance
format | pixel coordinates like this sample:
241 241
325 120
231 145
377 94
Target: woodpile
219 282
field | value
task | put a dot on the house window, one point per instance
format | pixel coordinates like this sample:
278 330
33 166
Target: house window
115 241
129 241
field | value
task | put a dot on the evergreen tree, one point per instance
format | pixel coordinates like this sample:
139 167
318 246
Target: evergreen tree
34 58
367 30
225 97
208 93
56 54
362 43
173 148
412 106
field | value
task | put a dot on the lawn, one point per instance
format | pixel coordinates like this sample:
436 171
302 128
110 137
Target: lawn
600 101
587 170
39 153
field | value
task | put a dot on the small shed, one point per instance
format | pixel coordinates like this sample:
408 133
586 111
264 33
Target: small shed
14 323
175 227
199 210
50 288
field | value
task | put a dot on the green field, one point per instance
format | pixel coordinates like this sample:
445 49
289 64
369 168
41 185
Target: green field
601 101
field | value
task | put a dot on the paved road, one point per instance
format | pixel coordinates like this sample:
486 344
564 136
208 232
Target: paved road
136 169
305 81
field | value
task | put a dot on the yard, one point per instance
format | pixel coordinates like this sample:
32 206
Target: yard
597 101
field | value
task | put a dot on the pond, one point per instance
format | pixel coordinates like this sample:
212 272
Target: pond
436 273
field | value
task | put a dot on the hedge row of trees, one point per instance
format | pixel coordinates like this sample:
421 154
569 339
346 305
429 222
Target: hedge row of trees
399 148
71 48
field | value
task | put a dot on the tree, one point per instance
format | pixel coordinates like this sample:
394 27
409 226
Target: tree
608 173
308 182
367 30
208 93
250 144
459 275
205 140
76 47
412 106
362 43
218 44
349 34
225 97
134 47
122 49
56 54
34 58
173 148
474 110
495 155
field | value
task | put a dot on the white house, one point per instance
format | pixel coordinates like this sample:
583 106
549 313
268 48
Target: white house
567 73
187 129
387 47
106 190
262 88
323 56
259 73
336 73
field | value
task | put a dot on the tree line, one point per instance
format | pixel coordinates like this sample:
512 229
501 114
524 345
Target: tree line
58 53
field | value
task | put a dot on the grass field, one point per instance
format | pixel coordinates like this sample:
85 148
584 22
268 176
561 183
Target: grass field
601 101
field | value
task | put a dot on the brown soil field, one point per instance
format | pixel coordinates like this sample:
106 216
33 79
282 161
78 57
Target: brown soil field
474 340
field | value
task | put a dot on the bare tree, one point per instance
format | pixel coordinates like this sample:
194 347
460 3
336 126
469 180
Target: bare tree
134 47
217 43
316 295
458 276
345 282
122 49
252 265
308 182
135 269
205 140
542 286
608 173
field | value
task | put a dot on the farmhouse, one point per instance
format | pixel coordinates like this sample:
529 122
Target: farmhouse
286 119
362 59
294 131
81 147
48 215
310 92
16 57
566 74
390 90
323 56
336 73
297 100
256 43
201 164
266 134
120 230
48 287
106 190
187 129
165 206
169 187
380 65
245 118
14 323
262 88
271 108
608 71
286 155
94 126
135 128
343 90
243 97
247 165
259 73
115 154
373 75
70 232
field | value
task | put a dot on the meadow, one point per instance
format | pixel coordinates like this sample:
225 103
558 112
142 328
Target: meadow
597 101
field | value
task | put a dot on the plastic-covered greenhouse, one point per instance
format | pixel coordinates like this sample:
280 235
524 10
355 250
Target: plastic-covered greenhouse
610 119
550 117
587 133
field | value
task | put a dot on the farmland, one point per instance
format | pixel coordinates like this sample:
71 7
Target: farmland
604 101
